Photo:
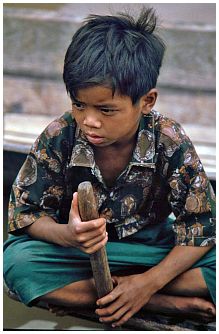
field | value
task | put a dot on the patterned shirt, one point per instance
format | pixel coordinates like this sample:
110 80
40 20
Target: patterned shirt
164 176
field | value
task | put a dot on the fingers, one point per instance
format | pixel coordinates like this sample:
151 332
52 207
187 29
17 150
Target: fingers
116 307
91 241
116 317
112 296
95 240
90 225
117 313
80 226
96 247
110 310
86 237
89 236
115 280
124 319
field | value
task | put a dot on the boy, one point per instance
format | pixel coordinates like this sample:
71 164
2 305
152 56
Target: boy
142 167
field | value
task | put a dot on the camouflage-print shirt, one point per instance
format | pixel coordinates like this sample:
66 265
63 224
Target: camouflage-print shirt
164 176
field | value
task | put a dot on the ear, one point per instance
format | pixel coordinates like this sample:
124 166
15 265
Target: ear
148 100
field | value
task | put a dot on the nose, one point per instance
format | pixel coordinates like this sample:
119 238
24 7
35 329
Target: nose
91 119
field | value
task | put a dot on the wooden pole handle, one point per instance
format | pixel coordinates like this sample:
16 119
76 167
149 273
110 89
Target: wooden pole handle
99 263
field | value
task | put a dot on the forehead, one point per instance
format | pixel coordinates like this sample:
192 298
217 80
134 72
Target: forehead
98 95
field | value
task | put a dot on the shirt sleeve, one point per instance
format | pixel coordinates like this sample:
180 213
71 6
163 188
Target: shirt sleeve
38 189
191 196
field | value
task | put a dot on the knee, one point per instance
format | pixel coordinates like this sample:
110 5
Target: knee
16 263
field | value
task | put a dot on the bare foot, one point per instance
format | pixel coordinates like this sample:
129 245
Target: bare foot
190 307
187 307
61 311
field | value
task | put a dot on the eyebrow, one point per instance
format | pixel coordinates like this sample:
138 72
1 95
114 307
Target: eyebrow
98 105
77 101
106 106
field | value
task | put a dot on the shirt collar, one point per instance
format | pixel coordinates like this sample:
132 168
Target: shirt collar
143 155
82 153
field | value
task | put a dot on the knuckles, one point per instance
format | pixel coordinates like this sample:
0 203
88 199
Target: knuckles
80 239
111 298
110 312
77 229
87 251
98 222
126 318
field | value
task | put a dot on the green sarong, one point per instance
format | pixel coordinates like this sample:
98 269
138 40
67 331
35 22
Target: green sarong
33 268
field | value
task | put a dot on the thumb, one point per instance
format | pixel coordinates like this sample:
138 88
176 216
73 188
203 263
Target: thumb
115 281
74 207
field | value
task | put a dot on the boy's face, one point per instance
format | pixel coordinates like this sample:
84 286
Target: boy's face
105 119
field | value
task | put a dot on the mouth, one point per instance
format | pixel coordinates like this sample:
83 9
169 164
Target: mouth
94 139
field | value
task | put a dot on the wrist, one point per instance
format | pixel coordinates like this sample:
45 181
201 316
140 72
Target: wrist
64 236
157 281
47 229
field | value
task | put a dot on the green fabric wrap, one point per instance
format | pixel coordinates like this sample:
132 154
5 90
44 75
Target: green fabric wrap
33 268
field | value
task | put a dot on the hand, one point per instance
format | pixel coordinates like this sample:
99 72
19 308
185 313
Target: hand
130 294
88 236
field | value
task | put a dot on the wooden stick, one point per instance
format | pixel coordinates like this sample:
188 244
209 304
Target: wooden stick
99 263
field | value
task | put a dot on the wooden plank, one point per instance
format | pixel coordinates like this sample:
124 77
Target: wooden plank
140 321
201 133
33 96
25 125
33 124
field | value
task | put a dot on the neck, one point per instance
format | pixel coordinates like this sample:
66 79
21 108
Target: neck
112 160
122 146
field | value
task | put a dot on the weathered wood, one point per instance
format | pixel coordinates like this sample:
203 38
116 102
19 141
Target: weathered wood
88 211
31 96
140 321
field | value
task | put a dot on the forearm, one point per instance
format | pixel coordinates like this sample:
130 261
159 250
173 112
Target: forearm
46 229
179 260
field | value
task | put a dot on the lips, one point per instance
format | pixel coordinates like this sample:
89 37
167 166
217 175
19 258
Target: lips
94 139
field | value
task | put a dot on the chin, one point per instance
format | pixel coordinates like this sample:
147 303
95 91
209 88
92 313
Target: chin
105 144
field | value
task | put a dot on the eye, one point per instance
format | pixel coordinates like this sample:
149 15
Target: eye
78 105
108 111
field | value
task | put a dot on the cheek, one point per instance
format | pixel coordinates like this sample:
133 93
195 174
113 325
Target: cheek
77 116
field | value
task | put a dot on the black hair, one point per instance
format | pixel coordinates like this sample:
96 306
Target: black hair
116 51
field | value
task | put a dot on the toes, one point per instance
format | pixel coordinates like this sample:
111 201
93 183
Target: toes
212 311
205 306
